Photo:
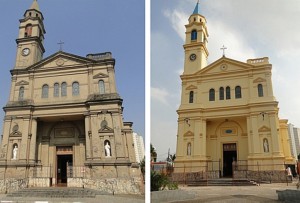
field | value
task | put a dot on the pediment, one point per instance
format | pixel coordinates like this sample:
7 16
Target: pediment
100 75
191 87
224 65
264 129
106 129
16 134
22 82
259 79
60 60
189 134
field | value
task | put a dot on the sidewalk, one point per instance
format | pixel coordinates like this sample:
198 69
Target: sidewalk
99 198
226 194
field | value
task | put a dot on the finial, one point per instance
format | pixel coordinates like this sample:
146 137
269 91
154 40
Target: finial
223 48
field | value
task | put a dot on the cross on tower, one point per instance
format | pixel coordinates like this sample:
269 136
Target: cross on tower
60 45
223 48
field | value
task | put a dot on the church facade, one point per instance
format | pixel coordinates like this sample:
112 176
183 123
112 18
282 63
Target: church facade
63 122
228 113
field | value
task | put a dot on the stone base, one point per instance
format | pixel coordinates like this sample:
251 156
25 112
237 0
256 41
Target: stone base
110 185
10 185
263 176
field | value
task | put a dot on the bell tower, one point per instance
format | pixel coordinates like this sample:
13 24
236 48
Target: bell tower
30 41
195 46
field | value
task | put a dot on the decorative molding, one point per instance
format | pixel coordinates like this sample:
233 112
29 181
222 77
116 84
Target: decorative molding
259 79
264 129
100 75
189 134
60 62
191 87
15 134
22 82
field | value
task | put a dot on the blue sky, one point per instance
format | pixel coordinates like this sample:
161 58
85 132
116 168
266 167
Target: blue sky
248 28
92 26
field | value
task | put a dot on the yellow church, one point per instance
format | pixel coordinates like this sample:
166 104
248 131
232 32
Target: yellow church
228 116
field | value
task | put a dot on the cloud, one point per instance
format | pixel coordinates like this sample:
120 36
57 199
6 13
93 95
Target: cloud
160 95
178 19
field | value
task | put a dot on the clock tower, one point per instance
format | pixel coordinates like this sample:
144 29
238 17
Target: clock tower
195 46
30 46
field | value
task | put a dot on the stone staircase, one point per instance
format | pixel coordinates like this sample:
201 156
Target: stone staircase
57 192
223 182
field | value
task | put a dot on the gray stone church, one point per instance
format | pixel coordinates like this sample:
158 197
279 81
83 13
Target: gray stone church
63 122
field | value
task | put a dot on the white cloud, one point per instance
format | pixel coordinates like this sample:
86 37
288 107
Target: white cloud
160 95
178 19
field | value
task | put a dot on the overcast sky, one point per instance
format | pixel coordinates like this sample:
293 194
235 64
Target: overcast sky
92 26
248 28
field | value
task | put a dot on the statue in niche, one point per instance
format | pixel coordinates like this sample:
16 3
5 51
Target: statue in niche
107 149
189 149
266 145
15 151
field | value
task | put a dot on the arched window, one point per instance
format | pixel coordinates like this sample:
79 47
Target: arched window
45 90
211 95
194 35
228 93
260 90
63 89
221 93
75 88
28 30
101 87
56 90
21 93
191 98
238 92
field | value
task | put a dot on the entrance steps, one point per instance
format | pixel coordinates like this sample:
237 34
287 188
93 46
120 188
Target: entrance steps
222 182
57 192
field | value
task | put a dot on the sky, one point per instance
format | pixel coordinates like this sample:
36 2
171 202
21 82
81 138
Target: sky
248 28
92 26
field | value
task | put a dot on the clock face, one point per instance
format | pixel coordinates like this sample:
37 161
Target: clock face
193 57
25 52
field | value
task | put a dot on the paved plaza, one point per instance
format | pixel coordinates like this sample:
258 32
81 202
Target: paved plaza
223 194
98 199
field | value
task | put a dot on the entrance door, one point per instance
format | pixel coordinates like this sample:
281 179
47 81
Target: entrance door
62 162
229 155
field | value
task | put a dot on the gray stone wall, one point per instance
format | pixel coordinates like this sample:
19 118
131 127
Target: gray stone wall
110 185
262 176
10 185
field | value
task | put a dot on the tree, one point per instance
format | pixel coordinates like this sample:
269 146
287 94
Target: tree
153 153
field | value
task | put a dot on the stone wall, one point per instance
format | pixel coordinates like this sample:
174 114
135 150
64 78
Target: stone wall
110 185
194 176
39 182
10 185
262 176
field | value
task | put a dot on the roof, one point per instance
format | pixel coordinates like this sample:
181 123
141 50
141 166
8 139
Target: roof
197 8
35 5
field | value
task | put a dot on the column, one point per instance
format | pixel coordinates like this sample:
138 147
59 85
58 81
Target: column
277 151
32 149
24 143
250 137
255 136
203 147
12 88
88 134
111 79
118 136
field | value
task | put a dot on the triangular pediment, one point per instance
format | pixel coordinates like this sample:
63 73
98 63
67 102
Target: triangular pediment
224 65
191 87
259 79
106 129
60 60
264 129
100 75
188 134
22 82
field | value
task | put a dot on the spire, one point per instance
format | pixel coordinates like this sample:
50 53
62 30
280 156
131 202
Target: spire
35 5
197 8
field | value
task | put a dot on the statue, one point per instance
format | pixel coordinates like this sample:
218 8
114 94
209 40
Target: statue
266 145
189 149
107 150
15 151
